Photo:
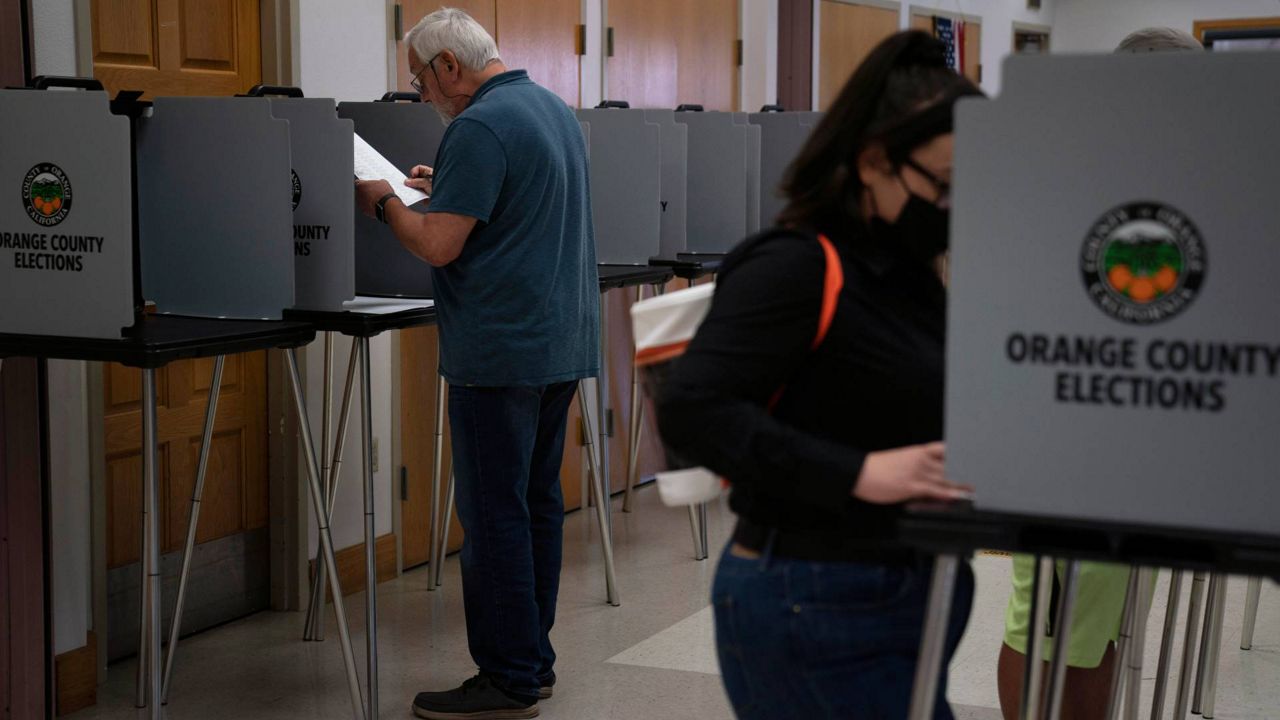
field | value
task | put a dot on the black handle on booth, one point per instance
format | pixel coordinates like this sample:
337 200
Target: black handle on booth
280 90
772 108
688 107
614 105
400 97
44 82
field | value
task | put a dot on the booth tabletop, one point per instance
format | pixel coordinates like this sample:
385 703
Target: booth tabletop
690 267
959 528
158 340
366 317
620 276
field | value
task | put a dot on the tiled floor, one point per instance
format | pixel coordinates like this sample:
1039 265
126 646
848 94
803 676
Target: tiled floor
650 658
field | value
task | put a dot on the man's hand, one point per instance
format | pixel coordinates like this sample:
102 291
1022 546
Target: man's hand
420 178
368 193
908 473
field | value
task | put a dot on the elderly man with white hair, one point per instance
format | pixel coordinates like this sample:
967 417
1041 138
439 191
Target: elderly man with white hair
508 233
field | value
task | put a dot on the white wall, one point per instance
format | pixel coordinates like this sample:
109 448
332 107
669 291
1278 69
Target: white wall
343 48
1100 25
998 17
759 33
54 27
70 491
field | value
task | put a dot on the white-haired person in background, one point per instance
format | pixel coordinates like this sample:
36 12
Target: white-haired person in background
508 233
1100 598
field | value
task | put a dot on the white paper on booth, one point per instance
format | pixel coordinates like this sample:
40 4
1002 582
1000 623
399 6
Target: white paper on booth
371 165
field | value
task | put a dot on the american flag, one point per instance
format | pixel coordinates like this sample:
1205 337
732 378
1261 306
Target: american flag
951 32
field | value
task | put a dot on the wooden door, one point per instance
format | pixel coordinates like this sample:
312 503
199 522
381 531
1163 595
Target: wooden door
484 11
186 47
541 36
973 51
669 52
177 47
848 34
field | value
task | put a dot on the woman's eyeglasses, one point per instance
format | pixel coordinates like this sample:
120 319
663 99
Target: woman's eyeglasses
941 186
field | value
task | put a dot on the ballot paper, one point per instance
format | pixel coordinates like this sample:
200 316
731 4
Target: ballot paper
371 165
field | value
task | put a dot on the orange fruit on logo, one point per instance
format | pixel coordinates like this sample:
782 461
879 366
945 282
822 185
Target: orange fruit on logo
1120 277
1166 279
57 204
1143 290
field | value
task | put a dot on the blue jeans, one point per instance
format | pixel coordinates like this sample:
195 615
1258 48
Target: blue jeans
508 443
808 640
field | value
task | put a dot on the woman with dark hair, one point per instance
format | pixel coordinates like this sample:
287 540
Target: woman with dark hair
815 386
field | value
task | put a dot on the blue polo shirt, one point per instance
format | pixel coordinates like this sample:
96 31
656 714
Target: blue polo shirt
521 304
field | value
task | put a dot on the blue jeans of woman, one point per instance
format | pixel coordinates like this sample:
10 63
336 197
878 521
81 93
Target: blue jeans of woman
807 640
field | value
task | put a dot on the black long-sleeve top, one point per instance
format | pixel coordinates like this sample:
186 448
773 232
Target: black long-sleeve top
875 382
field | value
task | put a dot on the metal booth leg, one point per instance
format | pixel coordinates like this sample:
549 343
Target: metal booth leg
934 638
370 534
1123 646
1061 642
1252 595
149 682
326 539
193 521
437 461
1211 649
1189 646
1166 644
602 507
1041 590
1133 693
605 413
635 426
314 627
695 524
442 543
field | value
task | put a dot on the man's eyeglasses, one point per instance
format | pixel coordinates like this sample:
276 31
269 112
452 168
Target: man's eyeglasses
941 186
416 82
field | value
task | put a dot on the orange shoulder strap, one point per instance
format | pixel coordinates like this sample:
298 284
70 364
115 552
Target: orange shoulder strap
832 283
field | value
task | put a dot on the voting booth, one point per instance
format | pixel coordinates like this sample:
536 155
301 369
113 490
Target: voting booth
216 234
322 200
782 136
66 229
626 167
723 161
407 134
1113 354
674 171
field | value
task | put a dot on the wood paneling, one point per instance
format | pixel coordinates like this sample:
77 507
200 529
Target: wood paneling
668 52
1200 27
351 572
542 37
77 677
973 51
177 47
23 651
236 490
484 11
417 439
848 34
13 45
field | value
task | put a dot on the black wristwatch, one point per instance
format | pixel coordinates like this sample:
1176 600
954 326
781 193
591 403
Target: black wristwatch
380 209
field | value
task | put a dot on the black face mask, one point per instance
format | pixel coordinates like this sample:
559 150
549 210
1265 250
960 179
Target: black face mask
923 229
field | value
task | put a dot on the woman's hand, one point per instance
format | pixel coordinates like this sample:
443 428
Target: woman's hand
908 473
420 178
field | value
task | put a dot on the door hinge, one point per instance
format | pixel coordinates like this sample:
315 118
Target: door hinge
608 42
582 40
404 483
608 422
398 24
740 53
